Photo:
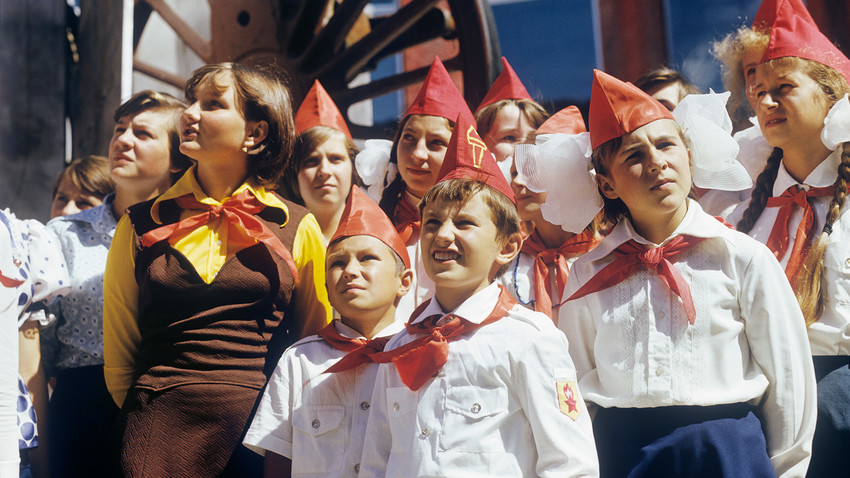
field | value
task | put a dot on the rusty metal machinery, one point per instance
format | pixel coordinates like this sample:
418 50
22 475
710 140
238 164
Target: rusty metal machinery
334 41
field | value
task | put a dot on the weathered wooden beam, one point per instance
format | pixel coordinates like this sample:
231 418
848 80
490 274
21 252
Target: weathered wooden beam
633 37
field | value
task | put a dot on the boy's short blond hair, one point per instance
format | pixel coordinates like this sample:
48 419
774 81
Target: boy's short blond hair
503 211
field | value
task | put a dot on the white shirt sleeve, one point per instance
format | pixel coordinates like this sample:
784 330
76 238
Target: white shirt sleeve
271 428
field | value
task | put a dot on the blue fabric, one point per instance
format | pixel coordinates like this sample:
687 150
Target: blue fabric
832 435
77 339
685 441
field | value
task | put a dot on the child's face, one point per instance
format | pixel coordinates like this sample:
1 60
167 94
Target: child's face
324 180
510 127
749 61
362 278
139 151
790 105
70 199
650 172
421 148
461 250
527 201
213 127
668 95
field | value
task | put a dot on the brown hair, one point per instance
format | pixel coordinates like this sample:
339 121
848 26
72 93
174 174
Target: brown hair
665 76
730 53
808 283
263 95
89 174
305 143
503 211
149 100
393 191
533 112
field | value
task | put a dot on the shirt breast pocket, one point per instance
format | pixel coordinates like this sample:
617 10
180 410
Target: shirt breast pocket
319 439
472 419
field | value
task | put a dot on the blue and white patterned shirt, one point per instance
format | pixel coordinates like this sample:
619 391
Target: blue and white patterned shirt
77 339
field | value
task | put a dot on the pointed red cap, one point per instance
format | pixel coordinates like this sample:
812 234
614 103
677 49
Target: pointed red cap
506 87
468 157
439 96
617 108
791 35
770 10
567 121
362 217
318 109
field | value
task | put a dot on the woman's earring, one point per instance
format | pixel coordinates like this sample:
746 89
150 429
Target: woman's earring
244 149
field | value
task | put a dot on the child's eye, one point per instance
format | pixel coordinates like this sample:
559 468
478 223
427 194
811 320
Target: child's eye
369 257
510 139
119 130
142 133
438 143
336 159
336 264
407 137
750 72
310 162
84 205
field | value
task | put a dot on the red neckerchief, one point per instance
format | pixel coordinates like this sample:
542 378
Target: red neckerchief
778 240
633 256
236 212
407 221
422 358
578 244
358 351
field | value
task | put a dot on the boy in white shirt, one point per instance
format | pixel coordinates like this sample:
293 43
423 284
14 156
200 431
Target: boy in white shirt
312 416
477 385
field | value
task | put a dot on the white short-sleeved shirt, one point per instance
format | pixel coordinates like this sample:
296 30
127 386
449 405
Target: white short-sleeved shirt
421 288
316 419
492 410
633 346
830 335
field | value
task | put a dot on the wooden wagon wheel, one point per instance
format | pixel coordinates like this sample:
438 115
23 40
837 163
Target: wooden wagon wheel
333 41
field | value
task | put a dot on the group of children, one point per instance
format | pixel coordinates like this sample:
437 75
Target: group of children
497 293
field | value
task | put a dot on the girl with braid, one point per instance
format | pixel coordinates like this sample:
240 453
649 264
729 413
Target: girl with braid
797 207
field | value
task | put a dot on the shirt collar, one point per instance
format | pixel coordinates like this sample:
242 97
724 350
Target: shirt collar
696 223
99 217
475 309
350 333
188 184
822 176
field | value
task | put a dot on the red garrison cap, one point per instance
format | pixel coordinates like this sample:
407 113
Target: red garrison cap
362 217
318 109
506 87
791 35
468 157
439 96
567 121
769 10
617 108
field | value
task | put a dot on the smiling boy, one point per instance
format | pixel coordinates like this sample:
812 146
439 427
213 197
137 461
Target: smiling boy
477 385
312 416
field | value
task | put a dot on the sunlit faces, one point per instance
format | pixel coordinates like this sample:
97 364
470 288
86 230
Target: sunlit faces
650 172
528 202
139 151
510 127
461 250
213 128
363 278
70 199
324 179
668 95
791 106
749 61
421 148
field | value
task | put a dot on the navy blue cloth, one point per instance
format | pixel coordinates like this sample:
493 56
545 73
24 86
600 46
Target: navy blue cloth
684 441
832 434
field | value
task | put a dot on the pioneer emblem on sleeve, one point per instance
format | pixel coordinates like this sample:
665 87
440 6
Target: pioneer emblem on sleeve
568 398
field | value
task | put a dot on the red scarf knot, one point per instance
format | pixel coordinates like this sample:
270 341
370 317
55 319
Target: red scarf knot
359 350
407 221
237 212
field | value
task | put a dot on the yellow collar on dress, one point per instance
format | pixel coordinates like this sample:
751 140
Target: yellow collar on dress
188 184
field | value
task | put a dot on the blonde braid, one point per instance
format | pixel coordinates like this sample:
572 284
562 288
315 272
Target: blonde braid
809 280
761 192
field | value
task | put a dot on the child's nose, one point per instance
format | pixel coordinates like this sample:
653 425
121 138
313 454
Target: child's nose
191 113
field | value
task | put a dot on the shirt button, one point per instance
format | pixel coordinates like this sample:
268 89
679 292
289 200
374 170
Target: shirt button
316 423
425 432
357 468
661 315
847 262
364 405
476 408
395 406
659 371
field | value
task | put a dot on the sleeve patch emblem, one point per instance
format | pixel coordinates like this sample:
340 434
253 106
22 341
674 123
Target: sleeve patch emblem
568 398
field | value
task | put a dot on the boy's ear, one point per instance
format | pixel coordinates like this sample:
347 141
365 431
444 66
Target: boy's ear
606 187
255 133
405 281
510 249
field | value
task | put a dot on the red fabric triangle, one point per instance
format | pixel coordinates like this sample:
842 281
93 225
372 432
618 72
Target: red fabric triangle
506 87
769 10
439 96
318 109
362 217
567 121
